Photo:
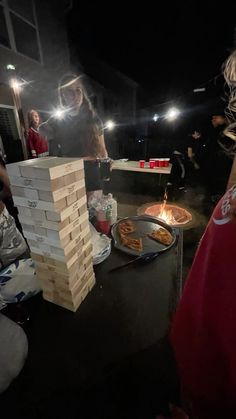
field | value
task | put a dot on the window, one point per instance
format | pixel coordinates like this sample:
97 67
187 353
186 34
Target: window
4 38
18 28
24 8
25 38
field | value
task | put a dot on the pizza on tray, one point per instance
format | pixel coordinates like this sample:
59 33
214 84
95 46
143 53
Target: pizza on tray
161 235
126 227
133 244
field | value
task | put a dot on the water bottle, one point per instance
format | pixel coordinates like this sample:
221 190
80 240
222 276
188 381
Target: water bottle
112 202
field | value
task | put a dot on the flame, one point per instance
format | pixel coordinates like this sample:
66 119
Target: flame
167 214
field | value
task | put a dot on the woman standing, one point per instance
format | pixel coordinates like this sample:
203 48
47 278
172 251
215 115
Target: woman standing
37 145
79 132
203 332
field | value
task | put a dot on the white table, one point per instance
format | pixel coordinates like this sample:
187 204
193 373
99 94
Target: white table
133 166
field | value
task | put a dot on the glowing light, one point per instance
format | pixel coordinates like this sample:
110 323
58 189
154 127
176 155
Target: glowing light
155 118
172 114
15 84
59 113
110 125
10 67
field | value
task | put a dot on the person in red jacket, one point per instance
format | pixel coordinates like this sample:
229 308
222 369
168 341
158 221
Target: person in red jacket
203 332
37 145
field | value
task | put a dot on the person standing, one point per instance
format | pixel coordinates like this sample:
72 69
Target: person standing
203 330
79 133
37 144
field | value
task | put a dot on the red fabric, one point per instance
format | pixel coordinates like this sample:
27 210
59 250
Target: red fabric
37 144
204 329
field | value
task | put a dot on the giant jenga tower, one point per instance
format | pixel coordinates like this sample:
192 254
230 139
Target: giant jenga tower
51 199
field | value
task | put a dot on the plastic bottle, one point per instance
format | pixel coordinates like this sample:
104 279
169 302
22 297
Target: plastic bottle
113 203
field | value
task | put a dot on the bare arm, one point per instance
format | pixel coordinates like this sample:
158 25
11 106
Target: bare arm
190 153
232 176
103 150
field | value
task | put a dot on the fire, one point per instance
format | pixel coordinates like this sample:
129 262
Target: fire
170 214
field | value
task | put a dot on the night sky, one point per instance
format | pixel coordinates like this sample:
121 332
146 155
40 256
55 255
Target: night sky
152 46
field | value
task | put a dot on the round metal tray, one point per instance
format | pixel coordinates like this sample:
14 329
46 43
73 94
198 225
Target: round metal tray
144 224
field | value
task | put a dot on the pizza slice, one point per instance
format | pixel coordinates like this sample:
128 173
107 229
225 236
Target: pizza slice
161 235
126 227
133 244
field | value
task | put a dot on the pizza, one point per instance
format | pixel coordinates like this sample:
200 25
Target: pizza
161 235
133 244
126 227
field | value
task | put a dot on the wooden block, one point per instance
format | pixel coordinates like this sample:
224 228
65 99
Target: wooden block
84 225
51 168
76 223
67 212
31 193
41 205
60 205
79 175
17 191
81 192
46 248
83 209
74 216
24 212
53 235
53 196
55 286
46 196
27 167
65 241
37 214
40 231
75 232
63 264
57 183
55 298
51 225
13 169
53 216
39 185
86 239
68 179
70 199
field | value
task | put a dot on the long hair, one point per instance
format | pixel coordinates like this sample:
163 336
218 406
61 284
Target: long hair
230 78
30 117
93 128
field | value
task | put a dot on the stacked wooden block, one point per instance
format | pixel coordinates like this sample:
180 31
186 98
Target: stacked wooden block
51 199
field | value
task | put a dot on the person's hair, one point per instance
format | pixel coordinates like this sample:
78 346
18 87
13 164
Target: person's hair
30 117
86 109
230 78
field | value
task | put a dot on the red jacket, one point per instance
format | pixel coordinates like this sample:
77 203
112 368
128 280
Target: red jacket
37 145
204 328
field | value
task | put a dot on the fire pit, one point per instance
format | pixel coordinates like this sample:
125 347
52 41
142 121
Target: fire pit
170 213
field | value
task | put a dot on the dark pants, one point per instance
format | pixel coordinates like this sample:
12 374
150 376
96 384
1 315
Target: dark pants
178 172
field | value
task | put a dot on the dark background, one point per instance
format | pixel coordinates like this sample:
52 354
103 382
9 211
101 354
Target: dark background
169 49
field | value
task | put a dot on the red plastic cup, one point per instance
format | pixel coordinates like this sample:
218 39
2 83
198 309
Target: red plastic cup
157 163
141 164
166 162
152 164
161 162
